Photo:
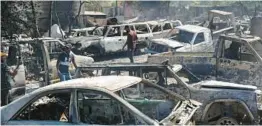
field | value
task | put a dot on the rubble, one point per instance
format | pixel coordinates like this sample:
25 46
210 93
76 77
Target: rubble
214 60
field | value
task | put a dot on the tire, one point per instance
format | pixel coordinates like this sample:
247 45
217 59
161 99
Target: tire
227 121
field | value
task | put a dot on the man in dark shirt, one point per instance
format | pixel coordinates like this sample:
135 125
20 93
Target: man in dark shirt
63 63
131 43
6 79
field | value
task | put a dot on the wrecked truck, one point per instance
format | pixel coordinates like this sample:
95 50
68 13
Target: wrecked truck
189 38
104 100
236 59
223 103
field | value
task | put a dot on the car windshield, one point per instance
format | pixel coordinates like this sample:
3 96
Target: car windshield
150 100
184 36
158 47
257 45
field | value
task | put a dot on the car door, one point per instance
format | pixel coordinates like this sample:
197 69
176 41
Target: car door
49 108
167 26
200 44
236 63
156 30
144 33
100 108
113 41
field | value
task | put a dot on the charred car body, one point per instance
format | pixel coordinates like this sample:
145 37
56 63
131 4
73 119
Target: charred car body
113 39
236 59
222 102
36 62
189 38
105 100
163 28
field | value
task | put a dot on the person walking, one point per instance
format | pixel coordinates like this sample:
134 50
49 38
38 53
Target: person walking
63 63
131 43
6 79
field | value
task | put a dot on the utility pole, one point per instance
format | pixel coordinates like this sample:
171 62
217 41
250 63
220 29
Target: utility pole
50 17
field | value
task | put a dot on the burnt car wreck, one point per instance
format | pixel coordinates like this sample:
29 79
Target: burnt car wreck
222 102
131 63
105 100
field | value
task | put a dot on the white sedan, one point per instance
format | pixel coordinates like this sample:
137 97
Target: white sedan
104 100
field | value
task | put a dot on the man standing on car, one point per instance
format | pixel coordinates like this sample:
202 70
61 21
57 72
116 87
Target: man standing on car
63 63
131 43
6 79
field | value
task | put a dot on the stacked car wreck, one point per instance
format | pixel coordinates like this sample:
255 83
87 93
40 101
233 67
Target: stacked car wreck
209 73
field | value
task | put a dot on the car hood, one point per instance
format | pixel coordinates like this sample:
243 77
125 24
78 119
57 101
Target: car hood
182 113
225 85
84 40
169 42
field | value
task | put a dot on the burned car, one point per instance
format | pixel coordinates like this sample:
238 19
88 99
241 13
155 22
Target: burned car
236 59
189 38
104 100
113 39
223 103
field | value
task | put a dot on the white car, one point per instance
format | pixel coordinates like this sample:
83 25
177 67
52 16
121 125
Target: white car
104 100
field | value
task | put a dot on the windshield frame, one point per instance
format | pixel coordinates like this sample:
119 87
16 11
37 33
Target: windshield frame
171 96
192 36
255 49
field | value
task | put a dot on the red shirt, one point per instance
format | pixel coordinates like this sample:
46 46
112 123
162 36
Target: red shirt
131 39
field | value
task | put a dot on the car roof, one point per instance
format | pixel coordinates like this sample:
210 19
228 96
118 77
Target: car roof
220 12
192 28
110 83
243 39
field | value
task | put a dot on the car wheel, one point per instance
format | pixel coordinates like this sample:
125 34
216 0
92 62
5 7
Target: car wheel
227 121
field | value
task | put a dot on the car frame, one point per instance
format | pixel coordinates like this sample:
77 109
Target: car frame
97 84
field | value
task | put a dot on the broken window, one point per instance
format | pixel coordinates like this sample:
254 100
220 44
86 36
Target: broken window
81 33
167 26
175 24
156 28
51 107
199 38
150 100
54 48
114 31
158 47
257 45
141 29
184 36
101 109
237 51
